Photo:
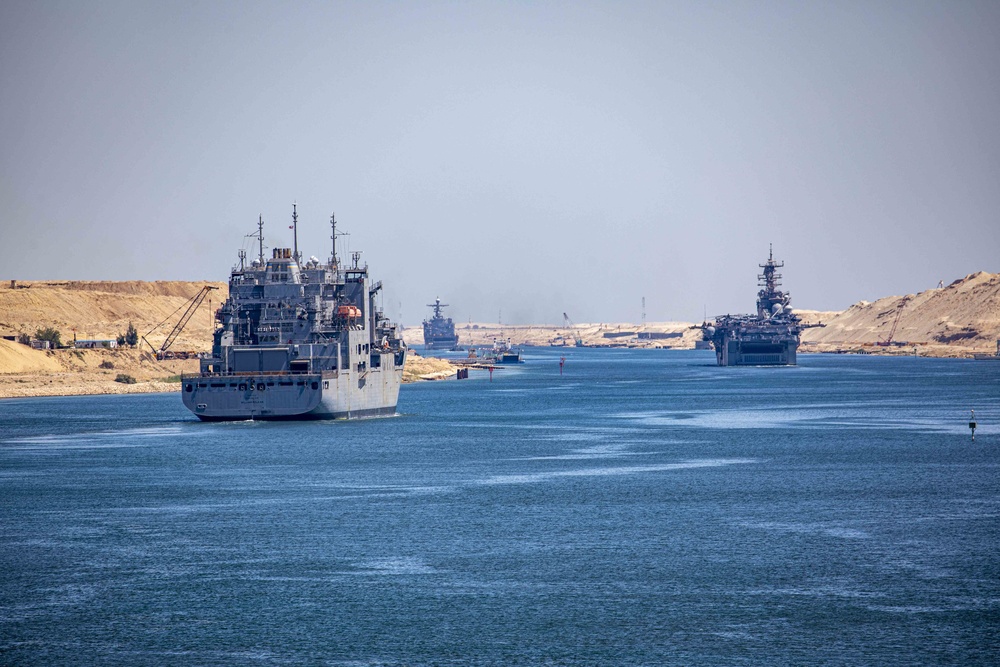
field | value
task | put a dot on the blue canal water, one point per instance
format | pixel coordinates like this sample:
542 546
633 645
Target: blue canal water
644 508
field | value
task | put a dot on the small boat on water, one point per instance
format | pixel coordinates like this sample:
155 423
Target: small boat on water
502 352
505 353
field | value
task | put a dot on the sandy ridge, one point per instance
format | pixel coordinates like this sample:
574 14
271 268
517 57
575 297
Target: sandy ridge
956 320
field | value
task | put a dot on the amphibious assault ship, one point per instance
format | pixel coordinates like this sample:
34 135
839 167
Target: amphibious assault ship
769 338
439 331
298 340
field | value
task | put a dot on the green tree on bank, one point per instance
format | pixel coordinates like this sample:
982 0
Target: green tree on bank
51 335
130 337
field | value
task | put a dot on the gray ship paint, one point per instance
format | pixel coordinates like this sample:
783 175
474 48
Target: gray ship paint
769 338
299 340
439 331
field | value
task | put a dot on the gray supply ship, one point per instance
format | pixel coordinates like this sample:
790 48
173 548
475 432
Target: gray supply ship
769 338
298 340
439 331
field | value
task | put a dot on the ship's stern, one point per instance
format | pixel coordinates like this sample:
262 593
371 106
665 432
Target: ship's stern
276 396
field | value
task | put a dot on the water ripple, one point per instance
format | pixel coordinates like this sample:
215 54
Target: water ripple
532 478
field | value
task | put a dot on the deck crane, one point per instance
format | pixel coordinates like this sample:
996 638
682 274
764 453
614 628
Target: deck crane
192 305
577 340
895 322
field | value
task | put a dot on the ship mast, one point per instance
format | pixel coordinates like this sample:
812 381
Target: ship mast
333 239
260 238
769 281
295 233
334 260
437 306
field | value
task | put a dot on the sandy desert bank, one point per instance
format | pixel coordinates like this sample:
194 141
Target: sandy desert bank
956 320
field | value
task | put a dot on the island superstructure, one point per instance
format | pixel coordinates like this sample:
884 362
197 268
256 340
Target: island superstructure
299 340
439 331
769 338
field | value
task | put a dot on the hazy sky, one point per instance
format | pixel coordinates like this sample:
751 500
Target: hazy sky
521 159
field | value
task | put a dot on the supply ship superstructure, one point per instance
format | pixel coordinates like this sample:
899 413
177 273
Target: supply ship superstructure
439 331
769 338
298 340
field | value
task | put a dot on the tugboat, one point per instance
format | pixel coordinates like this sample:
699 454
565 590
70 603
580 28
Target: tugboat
439 331
298 340
769 338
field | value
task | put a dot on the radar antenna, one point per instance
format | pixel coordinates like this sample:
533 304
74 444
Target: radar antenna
437 306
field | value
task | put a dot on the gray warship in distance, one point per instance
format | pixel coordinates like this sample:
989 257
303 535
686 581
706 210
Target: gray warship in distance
439 331
769 338
298 340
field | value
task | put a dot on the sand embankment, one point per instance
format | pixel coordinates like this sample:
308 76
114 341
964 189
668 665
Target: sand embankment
103 310
419 368
100 310
957 320
953 321
27 372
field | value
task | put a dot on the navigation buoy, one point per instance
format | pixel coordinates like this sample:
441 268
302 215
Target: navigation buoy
562 360
491 374
972 425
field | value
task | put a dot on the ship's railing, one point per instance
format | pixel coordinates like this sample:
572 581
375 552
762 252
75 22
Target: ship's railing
198 376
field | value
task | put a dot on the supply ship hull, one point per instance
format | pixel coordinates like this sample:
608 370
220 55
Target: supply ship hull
273 395
298 340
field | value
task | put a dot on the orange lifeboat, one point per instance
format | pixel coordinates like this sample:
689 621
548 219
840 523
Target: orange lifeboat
350 312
